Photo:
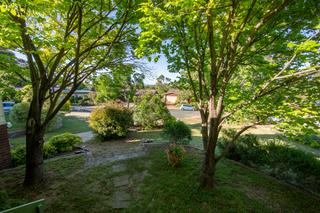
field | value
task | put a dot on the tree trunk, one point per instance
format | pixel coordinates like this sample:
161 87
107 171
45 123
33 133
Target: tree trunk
208 173
34 148
204 128
209 165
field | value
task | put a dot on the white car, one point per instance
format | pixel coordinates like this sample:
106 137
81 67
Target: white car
187 107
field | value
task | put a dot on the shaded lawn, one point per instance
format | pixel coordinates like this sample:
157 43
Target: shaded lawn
71 124
239 189
73 187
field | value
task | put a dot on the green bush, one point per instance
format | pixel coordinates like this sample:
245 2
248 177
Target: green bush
150 112
19 112
177 131
285 163
65 142
49 151
66 107
18 156
111 121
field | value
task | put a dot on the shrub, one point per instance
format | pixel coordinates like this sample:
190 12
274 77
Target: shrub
111 121
66 107
175 155
177 131
19 112
150 112
285 163
18 156
65 142
49 151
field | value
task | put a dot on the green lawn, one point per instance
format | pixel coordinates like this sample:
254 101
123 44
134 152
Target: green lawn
73 187
71 124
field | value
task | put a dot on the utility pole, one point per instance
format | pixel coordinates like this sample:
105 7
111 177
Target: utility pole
5 158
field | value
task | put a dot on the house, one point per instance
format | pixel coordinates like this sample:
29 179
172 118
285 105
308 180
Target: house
5 159
171 97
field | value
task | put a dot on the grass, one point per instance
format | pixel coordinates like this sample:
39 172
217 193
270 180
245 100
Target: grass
238 189
73 187
71 124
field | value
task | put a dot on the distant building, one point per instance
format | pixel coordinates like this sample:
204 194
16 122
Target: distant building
171 97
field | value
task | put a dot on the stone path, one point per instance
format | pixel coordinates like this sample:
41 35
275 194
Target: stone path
126 186
86 136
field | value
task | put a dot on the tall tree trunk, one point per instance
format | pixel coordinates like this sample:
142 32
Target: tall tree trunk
204 128
34 173
208 172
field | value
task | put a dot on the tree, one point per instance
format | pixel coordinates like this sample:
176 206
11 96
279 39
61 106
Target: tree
64 42
234 55
120 83
13 73
162 84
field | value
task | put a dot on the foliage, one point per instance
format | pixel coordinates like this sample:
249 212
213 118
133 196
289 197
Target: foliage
67 106
25 94
150 112
13 74
18 156
118 85
177 131
19 112
111 121
288 164
175 154
184 96
162 84
65 142
65 42
235 56
49 150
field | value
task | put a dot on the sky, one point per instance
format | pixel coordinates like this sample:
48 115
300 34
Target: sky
158 68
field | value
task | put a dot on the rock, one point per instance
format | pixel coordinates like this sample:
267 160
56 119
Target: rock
119 168
148 141
121 200
121 180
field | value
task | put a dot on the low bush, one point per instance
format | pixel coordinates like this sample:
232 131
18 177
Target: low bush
150 111
111 121
178 131
19 112
66 107
285 163
65 142
175 155
18 155
49 151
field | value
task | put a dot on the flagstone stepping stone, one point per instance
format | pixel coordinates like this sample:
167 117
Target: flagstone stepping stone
121 200
118 168
121 180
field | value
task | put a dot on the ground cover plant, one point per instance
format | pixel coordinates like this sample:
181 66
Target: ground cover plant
72 185
278 160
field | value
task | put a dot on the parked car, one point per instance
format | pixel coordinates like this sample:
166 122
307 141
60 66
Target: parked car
187 107
7 106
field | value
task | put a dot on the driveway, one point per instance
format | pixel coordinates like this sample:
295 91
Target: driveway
190 117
